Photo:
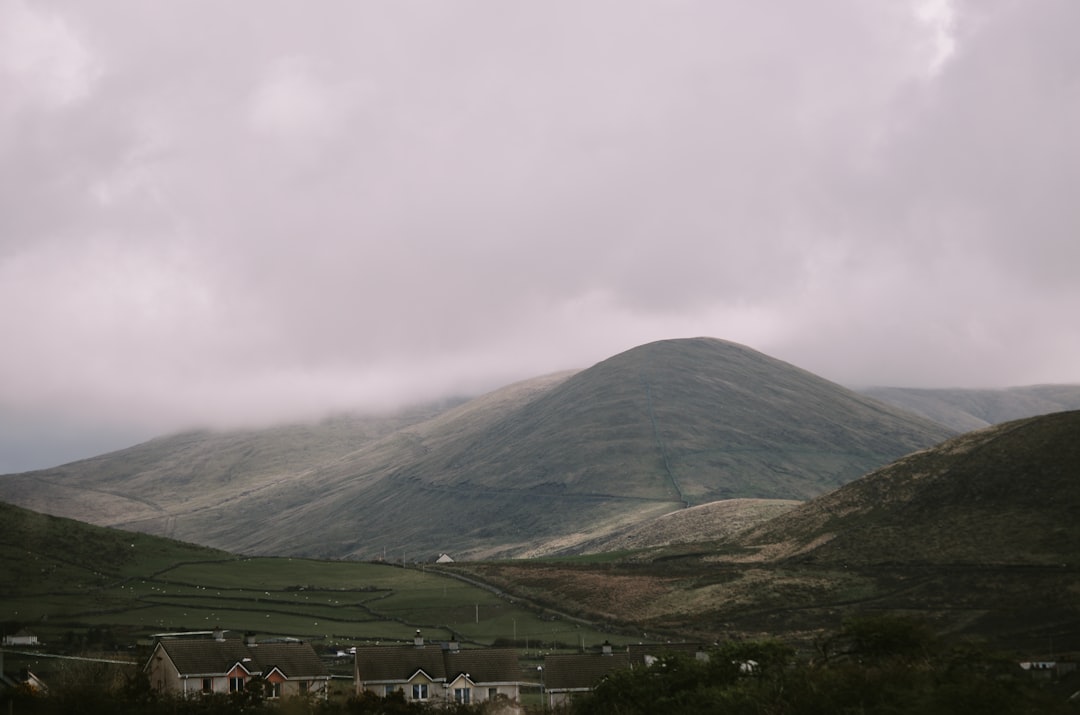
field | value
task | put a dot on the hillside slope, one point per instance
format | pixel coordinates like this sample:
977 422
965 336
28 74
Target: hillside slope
979 536
528 469
715 521
1007 494
191 471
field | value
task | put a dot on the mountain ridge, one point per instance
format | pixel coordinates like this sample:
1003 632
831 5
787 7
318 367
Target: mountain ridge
970 409
560 459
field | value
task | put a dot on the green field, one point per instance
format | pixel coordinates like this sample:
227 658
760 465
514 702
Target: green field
64 577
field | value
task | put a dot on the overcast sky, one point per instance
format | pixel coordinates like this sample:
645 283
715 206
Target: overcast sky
227 213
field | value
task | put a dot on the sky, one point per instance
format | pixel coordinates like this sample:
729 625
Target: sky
231 214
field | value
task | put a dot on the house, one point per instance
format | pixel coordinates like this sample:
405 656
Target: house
438 672
444 559
567 676
22 637
210 662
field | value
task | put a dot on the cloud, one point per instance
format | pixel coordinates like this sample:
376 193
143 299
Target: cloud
43 59
209 219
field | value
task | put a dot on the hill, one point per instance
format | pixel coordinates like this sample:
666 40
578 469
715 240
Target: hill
529 469
198 469
1007 494
966 410
980 536
78 586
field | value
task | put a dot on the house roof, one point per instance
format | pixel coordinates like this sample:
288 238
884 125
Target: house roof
483 665
400 663
581 670
208 656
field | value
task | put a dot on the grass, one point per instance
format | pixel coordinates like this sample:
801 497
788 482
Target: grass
71 577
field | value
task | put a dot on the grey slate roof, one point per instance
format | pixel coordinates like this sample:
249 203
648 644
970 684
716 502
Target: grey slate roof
581 671
207 656
391 663
399 663
484 665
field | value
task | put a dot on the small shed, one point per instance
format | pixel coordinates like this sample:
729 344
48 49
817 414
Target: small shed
444 559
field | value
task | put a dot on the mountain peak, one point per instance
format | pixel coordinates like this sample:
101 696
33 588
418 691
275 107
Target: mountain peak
527 469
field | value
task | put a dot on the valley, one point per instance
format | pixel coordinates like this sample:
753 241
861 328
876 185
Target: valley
686 490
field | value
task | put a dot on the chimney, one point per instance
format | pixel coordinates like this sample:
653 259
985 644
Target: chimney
452 646
418 640
249 639
219 635
606 648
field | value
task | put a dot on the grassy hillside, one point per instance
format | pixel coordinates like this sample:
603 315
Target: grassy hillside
966 410
714 521
534 468
1008 494
150 482
980 536
63 578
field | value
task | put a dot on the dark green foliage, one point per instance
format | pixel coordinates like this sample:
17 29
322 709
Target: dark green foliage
888 666
877 639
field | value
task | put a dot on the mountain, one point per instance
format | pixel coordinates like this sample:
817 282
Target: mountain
534 468
193 471
978 536
966 410
1005 495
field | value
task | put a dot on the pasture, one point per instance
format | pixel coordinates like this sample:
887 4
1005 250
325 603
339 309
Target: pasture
65 578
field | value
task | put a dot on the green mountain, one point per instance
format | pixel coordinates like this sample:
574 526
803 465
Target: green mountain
1004 495
978 536
966 410
534 468
193 471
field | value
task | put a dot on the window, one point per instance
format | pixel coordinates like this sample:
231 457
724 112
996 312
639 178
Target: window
208 685
493 693
462 696
273 690
419 691
302 686
236 685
